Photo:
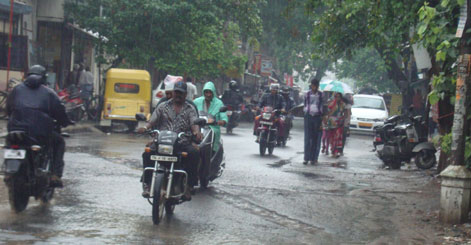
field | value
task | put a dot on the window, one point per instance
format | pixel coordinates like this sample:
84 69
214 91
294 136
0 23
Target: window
370 103
18 52
128 88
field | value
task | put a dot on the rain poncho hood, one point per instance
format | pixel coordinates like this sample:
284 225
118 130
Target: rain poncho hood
213 109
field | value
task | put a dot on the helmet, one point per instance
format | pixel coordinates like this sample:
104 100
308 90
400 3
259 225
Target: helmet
40 71
275 86
37 70
285 90
233 84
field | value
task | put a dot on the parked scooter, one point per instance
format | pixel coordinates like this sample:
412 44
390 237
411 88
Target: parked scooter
27 169
169 179
212 163
268 130
73 102
402 138
233 113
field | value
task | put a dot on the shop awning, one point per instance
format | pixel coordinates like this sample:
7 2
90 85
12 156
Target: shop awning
18 8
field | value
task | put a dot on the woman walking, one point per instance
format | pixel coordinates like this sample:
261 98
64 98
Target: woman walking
335 125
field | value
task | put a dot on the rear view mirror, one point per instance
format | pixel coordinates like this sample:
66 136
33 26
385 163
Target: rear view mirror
141 117
223 109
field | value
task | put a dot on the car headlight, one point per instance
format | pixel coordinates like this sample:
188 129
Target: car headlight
354 118
165 149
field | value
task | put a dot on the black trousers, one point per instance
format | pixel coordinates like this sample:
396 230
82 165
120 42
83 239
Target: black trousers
190 165
58 145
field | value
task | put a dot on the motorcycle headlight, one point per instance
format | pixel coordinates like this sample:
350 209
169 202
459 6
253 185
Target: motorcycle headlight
266 116
165 149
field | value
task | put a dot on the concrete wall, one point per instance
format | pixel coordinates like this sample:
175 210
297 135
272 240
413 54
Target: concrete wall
50 10
13 74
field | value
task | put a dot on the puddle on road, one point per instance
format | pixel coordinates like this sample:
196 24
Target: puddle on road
342 164
279 164
310 175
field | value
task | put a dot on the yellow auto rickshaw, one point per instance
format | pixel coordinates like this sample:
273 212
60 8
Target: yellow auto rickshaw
127 92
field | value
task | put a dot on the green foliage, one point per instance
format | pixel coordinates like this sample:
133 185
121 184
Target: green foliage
368 69
446 147
198 38
342 28
437 28
286 31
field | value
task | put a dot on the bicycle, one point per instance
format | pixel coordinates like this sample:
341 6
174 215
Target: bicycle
4 95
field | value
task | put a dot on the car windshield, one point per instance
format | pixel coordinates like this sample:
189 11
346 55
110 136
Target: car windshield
371 103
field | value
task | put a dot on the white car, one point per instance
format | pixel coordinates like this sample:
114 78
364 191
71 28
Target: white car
368 111
157 94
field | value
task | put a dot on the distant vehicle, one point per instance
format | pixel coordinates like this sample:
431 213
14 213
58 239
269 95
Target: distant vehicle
157 94
368 111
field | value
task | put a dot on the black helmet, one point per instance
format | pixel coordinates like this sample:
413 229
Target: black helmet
37 70
40 71
285 90
233 84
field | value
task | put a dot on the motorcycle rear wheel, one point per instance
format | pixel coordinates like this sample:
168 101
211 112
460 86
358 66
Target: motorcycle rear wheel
395 164
18 193
159 200
47 195
425 159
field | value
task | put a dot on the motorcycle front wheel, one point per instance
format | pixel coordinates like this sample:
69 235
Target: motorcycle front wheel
271 147
425 159
159 199
18 193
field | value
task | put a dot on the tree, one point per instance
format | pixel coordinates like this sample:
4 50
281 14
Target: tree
286 33
342 27
198 38
368 70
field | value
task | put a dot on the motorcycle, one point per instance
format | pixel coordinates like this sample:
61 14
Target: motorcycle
169 179
212 163
73 102
402 138
288 124
234 114
27 169
268 130
247 113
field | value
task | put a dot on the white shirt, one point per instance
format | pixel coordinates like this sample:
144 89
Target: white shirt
191 91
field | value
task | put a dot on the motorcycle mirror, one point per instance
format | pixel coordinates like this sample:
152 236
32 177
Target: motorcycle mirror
200 122
141 117
223 109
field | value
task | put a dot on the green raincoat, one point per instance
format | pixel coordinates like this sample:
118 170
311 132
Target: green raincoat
213 109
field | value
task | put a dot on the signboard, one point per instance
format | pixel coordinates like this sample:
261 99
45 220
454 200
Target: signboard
462 21
257 64
266 67
289 80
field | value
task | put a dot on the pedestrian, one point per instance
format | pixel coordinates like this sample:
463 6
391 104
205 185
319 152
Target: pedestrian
348 102
192 91
335 124
312 122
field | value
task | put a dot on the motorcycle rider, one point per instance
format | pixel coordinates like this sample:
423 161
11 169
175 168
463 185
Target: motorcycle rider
211 104
176 115
169 95
232 96
289 104
274 100
32 107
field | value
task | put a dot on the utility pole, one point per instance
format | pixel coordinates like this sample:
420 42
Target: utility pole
456 178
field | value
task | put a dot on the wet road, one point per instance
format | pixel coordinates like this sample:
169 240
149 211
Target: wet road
269 200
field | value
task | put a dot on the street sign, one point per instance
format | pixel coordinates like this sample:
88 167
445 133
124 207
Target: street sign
266 67
463 18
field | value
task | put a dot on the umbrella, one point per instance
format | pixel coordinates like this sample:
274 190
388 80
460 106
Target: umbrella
336 86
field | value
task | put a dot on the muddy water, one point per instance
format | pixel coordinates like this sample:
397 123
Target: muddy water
257 200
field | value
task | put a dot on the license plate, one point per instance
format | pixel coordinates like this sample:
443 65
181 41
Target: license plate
266 123
380 147
163 158
229 113
369 125
14 154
